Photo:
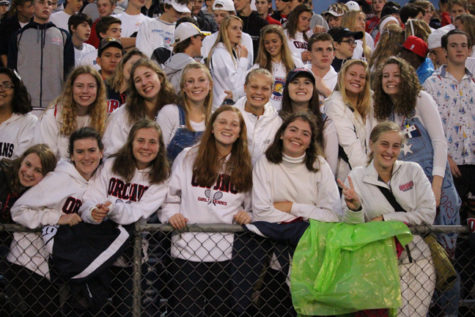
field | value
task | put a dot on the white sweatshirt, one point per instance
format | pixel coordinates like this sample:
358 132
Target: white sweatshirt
246 40
48 128
314 195
16 135
131 201
353 133
155 33
65 188
228 74
217 204
117 130
260 130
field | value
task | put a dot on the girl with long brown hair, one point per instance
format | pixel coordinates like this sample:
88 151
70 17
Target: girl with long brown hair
297 31
210 183
149 90
81 104
275 56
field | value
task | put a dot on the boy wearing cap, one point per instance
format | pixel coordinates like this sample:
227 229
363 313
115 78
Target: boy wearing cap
334 15
414 51
4 4
344 42
187 46
109 55
160 32
43 65
79 26
436 52
453 88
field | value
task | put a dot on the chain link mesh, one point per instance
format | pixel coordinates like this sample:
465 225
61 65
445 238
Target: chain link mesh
158 279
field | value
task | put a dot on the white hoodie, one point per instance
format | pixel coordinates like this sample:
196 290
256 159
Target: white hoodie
60 192
228 74
117 130
217 204
261 130
131 201
16 135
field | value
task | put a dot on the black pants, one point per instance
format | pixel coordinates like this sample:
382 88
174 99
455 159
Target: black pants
201 289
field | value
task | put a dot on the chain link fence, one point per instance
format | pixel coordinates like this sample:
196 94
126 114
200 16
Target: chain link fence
207 270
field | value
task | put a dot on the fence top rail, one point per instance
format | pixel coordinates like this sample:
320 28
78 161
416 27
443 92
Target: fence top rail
220 227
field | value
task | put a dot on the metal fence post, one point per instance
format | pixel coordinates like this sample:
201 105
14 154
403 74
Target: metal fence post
137 271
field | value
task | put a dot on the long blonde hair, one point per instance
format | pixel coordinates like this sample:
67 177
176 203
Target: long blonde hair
349 21
363 105
264 60
223 37
183 98
68 111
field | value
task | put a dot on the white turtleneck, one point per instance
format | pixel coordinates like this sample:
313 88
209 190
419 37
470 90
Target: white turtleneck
314 194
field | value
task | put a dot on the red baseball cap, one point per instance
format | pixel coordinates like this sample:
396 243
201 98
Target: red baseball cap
416 45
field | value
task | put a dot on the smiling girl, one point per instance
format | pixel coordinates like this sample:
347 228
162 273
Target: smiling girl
210 183
350 108
275 56
183 124
81 104
65 186
149 90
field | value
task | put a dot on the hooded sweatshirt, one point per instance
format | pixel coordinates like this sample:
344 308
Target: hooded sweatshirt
174 68
65 188
43 55
131 201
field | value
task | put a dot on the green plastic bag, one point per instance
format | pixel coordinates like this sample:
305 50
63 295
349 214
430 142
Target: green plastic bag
340 268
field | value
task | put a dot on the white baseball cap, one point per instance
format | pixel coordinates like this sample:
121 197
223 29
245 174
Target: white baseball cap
225 5
435 38
182 8
353 6
186 30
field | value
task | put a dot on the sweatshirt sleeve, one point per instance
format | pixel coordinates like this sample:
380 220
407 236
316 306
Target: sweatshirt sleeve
425 211
328 197
96 193
127 213
116 132
47 131
262 201
230 76
12 58
68 53
346 132
330 138
35 209
26 134
173 196
168 119
427 109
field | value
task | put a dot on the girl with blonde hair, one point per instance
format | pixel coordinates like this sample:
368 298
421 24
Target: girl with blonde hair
81 104
355 21
350 108
183 124
275 56
149 90
228 62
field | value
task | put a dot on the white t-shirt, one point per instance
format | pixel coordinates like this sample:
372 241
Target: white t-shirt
60 19
89 58
131 23
79 54
153 34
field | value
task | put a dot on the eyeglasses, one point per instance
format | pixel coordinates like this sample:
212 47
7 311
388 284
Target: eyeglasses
6 85
349 42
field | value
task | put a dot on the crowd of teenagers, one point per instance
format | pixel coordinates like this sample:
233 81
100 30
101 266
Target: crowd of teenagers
206 112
